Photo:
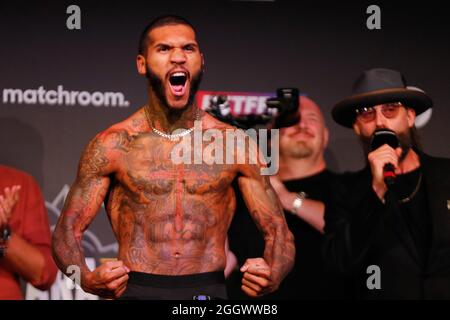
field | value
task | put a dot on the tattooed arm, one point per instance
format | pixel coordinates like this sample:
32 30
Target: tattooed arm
264 275
81 206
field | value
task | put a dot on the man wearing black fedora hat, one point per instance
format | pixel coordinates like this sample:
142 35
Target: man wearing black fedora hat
393 236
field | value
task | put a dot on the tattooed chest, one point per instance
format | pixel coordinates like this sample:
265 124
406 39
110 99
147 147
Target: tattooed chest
147 168
153 180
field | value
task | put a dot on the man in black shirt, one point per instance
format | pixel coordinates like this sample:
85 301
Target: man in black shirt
302 186
395 240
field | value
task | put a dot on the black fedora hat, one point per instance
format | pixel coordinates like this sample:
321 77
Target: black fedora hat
378 86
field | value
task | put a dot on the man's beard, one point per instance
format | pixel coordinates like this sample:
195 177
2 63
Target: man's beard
405 141
300 150
158 87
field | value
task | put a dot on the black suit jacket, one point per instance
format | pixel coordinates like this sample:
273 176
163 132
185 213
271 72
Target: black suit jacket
361 231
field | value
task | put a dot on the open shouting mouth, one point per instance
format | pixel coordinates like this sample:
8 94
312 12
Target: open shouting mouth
177 82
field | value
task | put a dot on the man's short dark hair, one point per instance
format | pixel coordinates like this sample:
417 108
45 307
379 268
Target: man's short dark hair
161 21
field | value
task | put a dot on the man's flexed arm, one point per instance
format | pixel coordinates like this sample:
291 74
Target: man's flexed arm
82 204
264 275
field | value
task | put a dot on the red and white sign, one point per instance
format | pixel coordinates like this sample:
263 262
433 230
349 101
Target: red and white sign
241 103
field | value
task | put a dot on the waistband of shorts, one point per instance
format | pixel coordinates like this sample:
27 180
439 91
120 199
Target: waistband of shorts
176 281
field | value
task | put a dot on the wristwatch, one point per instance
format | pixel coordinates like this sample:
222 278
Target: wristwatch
5 234
298 201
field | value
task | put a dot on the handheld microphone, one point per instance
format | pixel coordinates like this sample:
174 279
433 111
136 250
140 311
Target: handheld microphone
379 138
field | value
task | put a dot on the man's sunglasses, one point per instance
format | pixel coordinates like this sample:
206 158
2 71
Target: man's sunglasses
389 110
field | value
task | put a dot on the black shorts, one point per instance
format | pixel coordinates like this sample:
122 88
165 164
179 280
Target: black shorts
200 286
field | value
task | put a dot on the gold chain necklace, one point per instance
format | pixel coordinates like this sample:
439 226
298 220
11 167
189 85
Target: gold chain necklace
175 136
413 194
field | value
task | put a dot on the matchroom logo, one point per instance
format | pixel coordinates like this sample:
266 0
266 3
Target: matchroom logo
60 96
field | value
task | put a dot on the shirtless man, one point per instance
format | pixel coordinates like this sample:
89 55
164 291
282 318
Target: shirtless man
170 220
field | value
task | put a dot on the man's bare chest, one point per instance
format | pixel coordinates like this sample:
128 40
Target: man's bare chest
147 165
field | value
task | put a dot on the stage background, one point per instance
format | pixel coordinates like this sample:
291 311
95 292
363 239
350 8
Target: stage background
249 46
